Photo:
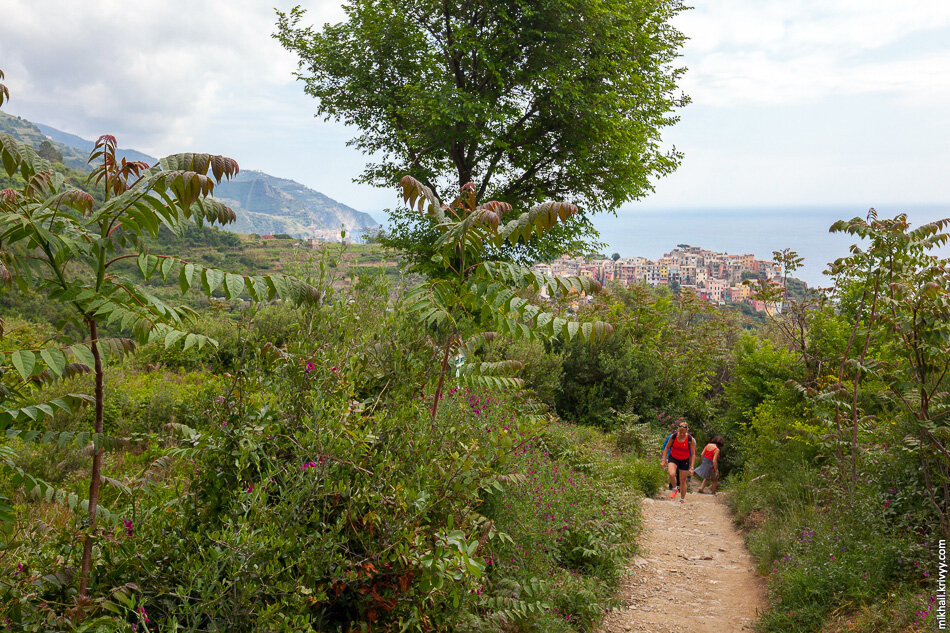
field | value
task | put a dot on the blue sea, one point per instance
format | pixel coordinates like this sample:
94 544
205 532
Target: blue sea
650 233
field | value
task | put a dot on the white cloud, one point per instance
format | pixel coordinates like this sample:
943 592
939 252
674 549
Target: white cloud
740 78
782 52
154 72
788 26
776 86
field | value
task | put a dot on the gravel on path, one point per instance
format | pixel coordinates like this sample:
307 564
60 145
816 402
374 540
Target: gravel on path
693 574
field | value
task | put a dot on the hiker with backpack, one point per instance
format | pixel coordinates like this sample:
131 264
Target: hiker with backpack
679 457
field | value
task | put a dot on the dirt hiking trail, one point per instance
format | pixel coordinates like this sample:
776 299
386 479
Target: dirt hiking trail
693 574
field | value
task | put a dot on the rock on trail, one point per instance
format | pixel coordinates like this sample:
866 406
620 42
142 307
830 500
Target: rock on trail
693 574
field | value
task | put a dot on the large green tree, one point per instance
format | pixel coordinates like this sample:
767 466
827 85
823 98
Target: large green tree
530 100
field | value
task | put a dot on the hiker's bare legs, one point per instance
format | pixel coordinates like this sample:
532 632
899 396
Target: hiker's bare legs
671 469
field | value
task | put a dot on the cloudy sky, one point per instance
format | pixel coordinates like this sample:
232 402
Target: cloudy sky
795 102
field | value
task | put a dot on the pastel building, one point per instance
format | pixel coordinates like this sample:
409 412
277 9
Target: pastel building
715 277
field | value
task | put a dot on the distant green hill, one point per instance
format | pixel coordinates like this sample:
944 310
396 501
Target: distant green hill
85 145
264 204
267 204
28 132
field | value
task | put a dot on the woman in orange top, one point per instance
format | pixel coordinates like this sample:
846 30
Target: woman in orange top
709 469
679 456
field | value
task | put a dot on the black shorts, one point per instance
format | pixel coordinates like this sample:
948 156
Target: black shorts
681 464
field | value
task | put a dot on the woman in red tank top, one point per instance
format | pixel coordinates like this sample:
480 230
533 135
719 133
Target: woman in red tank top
708 471
679 457
680 447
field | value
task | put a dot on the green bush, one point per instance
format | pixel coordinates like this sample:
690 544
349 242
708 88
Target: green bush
644 475
570 520
633 437
599 380
300 523
761 411
821 561
542 372
286 482
662 357
336 525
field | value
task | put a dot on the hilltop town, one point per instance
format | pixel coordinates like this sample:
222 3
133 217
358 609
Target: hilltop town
714 277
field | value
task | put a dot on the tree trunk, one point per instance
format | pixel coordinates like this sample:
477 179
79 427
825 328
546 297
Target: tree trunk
855 418
461 164
96 477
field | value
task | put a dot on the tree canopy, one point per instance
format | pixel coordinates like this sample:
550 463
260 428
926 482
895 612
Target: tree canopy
529 100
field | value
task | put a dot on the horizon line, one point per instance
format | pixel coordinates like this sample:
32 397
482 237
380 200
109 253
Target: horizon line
758 207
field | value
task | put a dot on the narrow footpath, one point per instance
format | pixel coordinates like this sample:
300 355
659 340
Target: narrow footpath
693 574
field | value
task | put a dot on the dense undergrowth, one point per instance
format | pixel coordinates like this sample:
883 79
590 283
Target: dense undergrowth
286 452
280 482
837 417
834 552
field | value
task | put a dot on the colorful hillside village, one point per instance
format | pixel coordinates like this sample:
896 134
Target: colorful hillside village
714 277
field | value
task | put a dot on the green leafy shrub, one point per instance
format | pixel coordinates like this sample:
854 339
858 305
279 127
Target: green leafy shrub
644 475
387 518
599 380
568 520
661 358
633 437
822 561
761 411
337 525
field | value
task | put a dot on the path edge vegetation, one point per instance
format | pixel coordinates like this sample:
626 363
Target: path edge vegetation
846 409
53 240
97 261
